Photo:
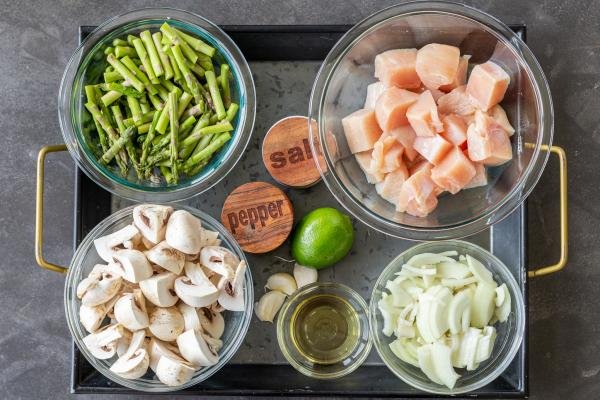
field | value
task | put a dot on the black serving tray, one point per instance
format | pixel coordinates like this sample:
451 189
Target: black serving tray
506 239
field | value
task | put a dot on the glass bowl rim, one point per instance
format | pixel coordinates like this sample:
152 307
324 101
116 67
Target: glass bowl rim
489 216
505 359
72 317
72 134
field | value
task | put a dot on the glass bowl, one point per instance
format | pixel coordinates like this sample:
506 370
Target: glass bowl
510 333
340 89
351 359
236 323
86 66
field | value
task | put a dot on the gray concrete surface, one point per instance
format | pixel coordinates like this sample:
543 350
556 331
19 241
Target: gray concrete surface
36 39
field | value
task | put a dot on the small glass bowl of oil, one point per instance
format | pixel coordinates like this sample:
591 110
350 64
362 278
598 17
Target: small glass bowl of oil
323 330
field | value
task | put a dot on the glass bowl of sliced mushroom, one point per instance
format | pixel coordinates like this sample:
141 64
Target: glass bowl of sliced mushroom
158 299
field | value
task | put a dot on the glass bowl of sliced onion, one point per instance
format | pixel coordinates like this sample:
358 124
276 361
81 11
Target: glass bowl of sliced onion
447 317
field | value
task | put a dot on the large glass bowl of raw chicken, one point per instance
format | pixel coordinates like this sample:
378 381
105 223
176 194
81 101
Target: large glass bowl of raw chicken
432 119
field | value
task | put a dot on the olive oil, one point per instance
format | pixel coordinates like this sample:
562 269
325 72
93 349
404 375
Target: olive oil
325 329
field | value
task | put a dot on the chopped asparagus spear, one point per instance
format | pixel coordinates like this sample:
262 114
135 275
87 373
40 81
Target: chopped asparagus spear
176 72
110 97
119 42
215 94
164 59
184 100
146 117
231 111
224 83
125 72
136 111
130 39
174 123
196 43
117 145
146 37
149 137
175 40
163 121
122 51
117 87
112 76
156 102
207 151
143 55
190 80
129 146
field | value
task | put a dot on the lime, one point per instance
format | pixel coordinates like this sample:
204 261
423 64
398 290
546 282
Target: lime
322 238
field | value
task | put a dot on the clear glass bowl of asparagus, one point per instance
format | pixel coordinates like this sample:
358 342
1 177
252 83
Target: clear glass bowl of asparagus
157 104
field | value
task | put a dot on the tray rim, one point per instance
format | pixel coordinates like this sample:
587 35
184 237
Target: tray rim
103 207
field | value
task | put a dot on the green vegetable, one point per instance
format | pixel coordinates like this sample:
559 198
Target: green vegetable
159 107
164 59
224 82
117 145
122 51
145 59
125 72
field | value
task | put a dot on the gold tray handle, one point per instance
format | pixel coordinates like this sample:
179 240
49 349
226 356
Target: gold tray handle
564 224
39 209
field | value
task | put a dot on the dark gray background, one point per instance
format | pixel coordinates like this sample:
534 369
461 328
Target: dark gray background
36 39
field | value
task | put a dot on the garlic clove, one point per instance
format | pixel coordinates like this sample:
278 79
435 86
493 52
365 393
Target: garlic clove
304 275
283 282
269 304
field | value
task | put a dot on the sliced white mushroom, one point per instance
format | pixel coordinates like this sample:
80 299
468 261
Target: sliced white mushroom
195 272
269 304
283 282
126 287
214 344
174 372
166 323
98 269
131 312
216 307
134 263
167 257
220 260
103 343
210 238
196 295
134 243
157 348
151 220
195 349
146 244
91 317
304 275
232 290
212 322
184 232
123 342
160 289
215 279
191 316
105 245
99 287
134 363
195 289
